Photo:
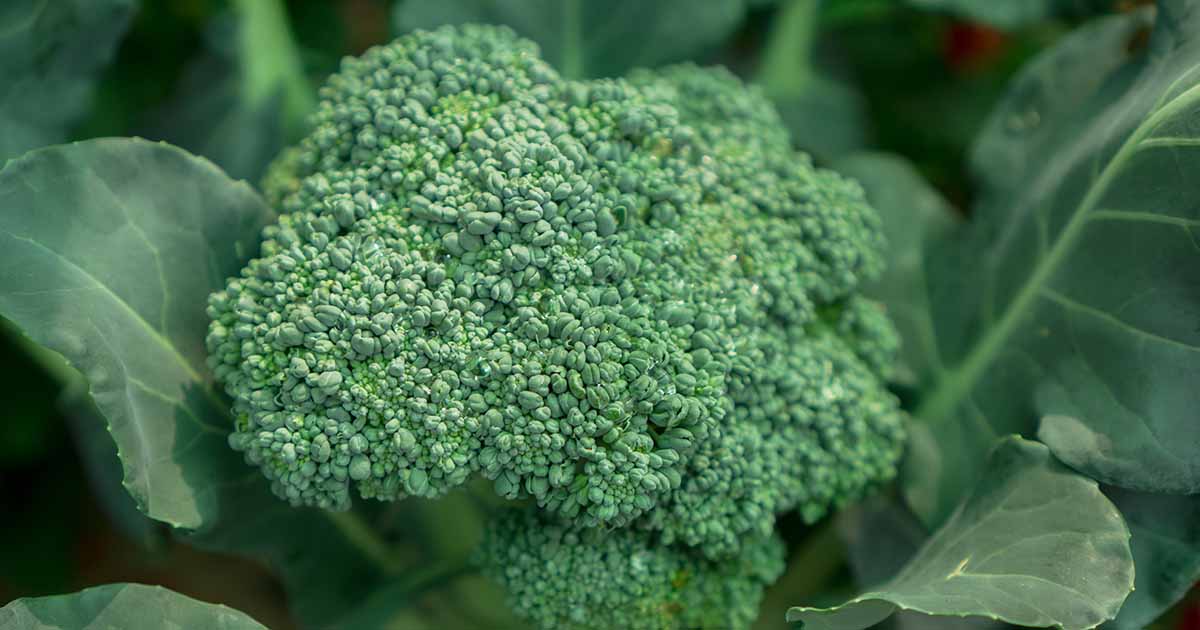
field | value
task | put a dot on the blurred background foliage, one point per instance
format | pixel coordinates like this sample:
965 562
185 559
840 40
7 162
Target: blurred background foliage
233 80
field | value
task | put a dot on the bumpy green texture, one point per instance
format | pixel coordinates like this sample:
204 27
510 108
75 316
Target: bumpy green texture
627 299
559 577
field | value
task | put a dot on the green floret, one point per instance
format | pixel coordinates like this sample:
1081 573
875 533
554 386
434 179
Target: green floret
627 299
559 577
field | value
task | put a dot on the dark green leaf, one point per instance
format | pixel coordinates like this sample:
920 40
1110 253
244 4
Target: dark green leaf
1166 551
1074 294
102 466
245 97
324 572
880 535
1016 13
592 38
121 606
914 216
826 117
1035 544
51 52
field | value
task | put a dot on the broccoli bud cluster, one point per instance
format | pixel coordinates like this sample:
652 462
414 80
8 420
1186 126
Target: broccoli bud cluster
590 579
628 300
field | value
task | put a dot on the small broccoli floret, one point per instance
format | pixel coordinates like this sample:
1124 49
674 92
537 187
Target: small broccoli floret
564 577
628 299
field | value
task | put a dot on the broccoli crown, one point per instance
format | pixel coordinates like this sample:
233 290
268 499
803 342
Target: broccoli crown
560 577
628 299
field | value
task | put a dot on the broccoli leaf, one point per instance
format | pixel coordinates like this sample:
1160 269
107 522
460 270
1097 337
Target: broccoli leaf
1016 13
50 56
588 38
121 606
108 251
102 465
1072 295
1166 551
914 216
1035 544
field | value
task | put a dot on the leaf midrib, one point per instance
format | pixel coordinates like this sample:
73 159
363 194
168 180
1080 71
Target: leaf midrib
950 390
124 306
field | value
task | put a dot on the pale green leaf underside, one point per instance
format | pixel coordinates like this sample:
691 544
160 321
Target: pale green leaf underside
108 251
1074 295
51 53
128 606
1034 545
587 38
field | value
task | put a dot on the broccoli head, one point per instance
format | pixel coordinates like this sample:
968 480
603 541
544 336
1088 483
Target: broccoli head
560 577
627 299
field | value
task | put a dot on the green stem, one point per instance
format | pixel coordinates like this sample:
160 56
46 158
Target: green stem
436 577
572 39
359 534
786 65
270 61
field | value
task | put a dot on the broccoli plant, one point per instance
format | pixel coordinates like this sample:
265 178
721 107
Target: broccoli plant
560 315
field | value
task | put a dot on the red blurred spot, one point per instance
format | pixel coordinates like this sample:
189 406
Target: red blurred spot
1190 619
969 46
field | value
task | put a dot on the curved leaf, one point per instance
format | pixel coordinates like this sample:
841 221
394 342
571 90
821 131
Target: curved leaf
108 250
50 55
1035 545
590 38
1074 294
122 606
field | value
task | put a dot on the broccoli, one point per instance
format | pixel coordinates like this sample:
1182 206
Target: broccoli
628 300
560 577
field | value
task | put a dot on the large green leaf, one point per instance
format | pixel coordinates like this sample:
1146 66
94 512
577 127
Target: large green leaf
1035 544
914 216
51 52
1015 13
108 250
592 38
1166 551
121 606
1073 295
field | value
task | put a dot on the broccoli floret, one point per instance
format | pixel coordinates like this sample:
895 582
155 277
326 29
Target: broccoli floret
564 577
628 299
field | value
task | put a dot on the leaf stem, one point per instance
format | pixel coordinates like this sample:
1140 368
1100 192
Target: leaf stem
361 536
786 65
270 61
572 39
